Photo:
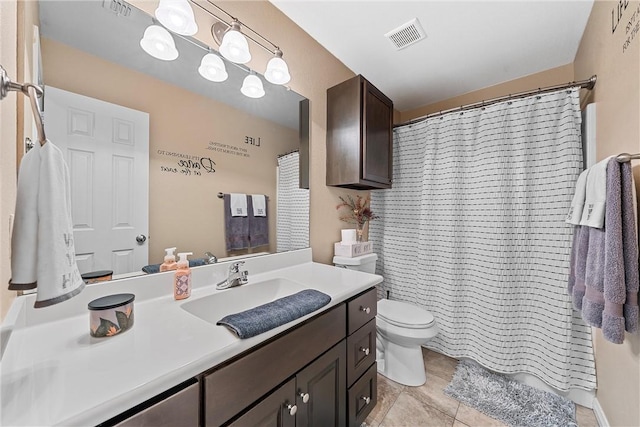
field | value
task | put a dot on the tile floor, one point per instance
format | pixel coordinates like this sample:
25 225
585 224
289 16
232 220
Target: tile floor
426 406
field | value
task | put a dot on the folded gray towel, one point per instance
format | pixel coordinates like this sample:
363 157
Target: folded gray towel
265 317
258 226
155 268
236 228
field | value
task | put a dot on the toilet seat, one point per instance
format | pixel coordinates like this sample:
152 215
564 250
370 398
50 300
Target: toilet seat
404 315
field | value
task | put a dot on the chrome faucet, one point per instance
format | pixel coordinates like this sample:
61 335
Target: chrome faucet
211 258
235 277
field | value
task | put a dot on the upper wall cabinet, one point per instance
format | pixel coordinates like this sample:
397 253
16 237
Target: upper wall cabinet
359 136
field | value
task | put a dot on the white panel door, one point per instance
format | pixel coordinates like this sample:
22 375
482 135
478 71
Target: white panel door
107 149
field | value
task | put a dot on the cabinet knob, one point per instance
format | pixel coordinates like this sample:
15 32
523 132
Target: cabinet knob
367 310
304 396
293 409
366 400
365 350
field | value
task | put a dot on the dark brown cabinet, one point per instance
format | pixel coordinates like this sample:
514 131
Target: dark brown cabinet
320 373
321 390
276 410
359 136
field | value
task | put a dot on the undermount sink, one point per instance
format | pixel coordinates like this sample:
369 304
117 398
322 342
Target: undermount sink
214 307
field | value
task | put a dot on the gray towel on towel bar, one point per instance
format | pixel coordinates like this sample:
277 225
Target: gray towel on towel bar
257 320
258 226
236 228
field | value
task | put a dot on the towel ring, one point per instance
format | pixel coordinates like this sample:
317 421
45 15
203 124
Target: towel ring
32 92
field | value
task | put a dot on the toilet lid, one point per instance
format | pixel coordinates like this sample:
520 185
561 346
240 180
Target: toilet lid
404 314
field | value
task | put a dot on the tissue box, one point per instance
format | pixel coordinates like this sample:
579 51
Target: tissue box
351 250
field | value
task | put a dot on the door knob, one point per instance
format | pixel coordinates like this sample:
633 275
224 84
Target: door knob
292 409
366 310
366 400
365 350
141 238
304 396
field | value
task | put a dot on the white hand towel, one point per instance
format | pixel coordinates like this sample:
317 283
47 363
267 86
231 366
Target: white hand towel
58 275
596 195
575 211
24 241
259 204
238 204
52 255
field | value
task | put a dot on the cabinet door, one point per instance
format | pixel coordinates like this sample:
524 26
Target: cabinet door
323 385
377 138
276 410
181 408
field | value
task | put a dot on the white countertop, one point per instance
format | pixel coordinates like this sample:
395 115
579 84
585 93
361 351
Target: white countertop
54 373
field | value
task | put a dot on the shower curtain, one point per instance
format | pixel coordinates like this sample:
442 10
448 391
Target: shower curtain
292 220
473 230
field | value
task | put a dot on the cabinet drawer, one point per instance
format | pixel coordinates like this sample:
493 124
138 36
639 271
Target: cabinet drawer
361 351
182 408
361 310
231 388
363 396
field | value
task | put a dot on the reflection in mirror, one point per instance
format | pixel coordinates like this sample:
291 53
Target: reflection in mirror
153 142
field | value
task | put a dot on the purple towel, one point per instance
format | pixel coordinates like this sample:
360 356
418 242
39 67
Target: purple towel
610 297
258 226
236 228
630 248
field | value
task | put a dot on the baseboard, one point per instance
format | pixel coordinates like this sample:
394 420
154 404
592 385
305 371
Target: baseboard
599 413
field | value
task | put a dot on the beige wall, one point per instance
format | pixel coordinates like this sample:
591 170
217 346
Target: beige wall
8 138
183 209
617 96
550 77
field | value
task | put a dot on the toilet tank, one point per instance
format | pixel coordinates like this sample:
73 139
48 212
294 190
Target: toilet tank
365 263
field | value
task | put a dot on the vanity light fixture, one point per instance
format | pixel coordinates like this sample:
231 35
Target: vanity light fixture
234 45
158 43
212 68
277 71
252 86
177 16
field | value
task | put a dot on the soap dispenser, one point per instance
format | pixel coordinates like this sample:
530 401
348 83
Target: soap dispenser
182 278
169 261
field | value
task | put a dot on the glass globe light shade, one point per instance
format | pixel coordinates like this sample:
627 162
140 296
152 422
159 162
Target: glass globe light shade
212 68
234 46
158 43
277 71
252 87
177 16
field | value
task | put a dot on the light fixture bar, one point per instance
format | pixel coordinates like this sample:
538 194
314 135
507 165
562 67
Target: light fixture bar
242 25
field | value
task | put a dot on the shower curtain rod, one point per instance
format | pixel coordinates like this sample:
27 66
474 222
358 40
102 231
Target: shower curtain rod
583 84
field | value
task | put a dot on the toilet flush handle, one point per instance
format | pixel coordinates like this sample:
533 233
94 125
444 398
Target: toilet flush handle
367 310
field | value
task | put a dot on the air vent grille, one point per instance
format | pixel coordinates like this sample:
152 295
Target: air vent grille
406 34
119 7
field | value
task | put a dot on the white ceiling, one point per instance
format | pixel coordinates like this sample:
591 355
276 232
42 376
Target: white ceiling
470 44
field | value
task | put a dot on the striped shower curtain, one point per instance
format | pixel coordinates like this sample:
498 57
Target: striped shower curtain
292 220
473 230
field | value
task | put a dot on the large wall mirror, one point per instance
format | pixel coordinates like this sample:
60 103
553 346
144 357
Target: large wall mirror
128 122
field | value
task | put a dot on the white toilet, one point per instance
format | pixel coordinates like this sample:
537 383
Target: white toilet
401 330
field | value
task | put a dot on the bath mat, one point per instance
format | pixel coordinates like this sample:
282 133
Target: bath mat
507 400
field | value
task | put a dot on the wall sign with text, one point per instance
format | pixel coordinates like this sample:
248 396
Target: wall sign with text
186 164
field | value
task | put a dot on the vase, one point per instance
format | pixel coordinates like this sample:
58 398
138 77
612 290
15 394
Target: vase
359 232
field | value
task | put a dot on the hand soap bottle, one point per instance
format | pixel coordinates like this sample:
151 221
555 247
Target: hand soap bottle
169 260
182 278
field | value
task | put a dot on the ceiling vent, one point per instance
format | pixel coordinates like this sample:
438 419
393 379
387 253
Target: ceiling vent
406 34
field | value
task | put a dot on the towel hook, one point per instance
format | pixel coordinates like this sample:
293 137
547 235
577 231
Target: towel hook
32 92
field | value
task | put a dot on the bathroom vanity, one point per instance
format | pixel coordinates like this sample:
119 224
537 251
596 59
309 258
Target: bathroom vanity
175 367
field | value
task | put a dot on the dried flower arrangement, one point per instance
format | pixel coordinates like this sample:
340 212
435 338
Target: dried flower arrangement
358 212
